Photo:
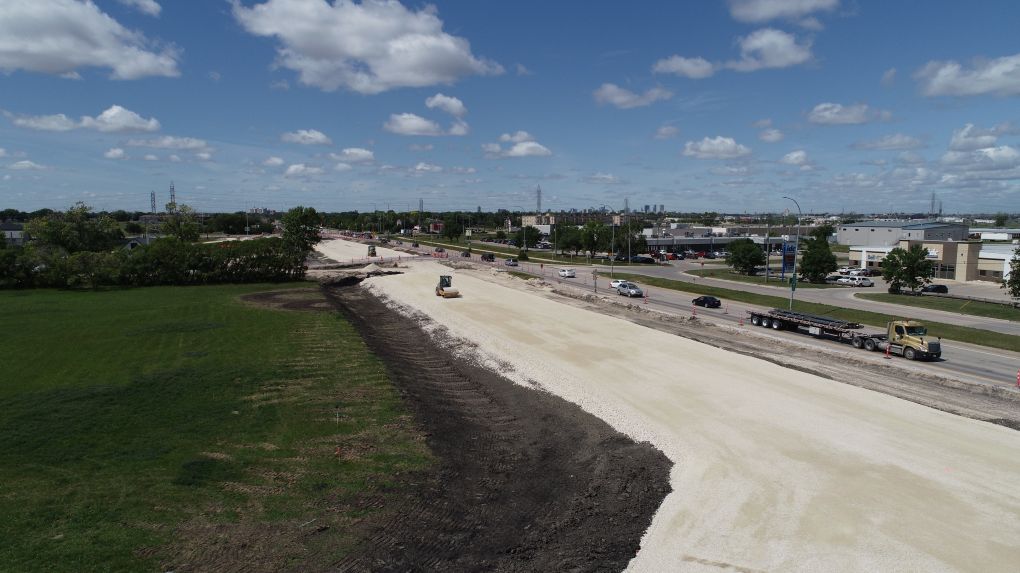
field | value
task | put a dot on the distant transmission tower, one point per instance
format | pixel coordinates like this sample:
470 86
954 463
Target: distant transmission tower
538 196
152 200
173 198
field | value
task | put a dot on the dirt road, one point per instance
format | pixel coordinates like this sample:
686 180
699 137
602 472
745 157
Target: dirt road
775 469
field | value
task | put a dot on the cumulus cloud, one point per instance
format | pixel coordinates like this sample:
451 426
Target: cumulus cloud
626 99
411 124
771 135
341 166
603 179
171 142
893 141
148 7
797 158
26 165
114 120
150 157
3 152
758 11
114 153
421 147
694 68
666 132
60 36
522 70
889 77
423 167
987 159
718 147
839 114
999 76
463 170
524 145
770 48
306 137
450 105
970 137
367 47
273 162
302 170
354 155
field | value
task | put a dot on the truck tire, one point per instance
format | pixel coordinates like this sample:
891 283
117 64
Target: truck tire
766 321
869 344
755 320
857 342
909 353
777 324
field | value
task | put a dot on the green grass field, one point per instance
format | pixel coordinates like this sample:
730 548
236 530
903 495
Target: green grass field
137 421
774 280
975 308
951 331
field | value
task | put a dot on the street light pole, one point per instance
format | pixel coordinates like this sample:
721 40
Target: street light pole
796 250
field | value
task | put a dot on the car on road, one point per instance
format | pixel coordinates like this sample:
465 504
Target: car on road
942 289
629 289
415 244
707 302
616 282
567 273
642 259
510 262
440 250
489 257
465 253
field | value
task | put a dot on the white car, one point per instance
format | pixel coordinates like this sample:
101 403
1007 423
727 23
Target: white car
616 283
567 273
844 270
855 281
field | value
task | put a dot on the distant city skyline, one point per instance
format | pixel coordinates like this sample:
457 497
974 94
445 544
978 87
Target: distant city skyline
726 106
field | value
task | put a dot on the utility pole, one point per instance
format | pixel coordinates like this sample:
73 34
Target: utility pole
796 249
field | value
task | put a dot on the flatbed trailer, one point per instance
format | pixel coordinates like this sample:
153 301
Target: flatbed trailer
902 337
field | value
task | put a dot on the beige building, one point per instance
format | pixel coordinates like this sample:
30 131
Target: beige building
952 260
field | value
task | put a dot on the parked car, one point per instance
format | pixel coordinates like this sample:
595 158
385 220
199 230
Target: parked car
856 281
567 273
942 289
510 262
489 257
709 255
833 279
440 250
415 244
629 289
844 270
465 253
707 302
642 259
616 282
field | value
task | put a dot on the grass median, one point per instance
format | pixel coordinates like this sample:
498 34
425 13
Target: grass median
729 275
146 423
962 306
876 319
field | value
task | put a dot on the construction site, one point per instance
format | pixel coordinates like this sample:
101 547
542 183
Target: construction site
746 453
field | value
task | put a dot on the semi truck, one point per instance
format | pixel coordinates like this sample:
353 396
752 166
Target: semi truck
906 338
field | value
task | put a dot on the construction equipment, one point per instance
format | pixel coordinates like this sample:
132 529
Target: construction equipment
445 287
371 250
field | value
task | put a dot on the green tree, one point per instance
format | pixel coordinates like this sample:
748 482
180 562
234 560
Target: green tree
708 218
907 268
452 228
745 256
180 222
76 230
817 261
1000 219
528 236
500 235
94 269
1012 283
301 230
568 238
594 237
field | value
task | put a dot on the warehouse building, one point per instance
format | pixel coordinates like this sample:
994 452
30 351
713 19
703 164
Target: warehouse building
952 260
890 233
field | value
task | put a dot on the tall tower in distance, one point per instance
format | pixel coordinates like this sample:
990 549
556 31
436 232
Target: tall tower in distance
173 198
152 200
538 198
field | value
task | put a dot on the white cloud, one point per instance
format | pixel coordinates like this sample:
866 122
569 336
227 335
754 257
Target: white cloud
450 105
26 165
771 135
522 70
892 141
214 76
411 124
114 153
666 132
171 142
302 170
341 166
114 119
516 137
151 157
718 147
987 159
354 155
174 158
273 162
767 122
283 85
148 7
694 68
757 11
3 152
423 167
889 77
770 48
421 147
59 36
626 99
970 137
838 114
1000 76
528 149
602 179
203 156
306 137
524 145
368 47
796 158
463 170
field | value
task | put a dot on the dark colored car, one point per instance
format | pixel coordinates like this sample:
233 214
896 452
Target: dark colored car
942 289
440 250
489 257
415 244
707 302
465 254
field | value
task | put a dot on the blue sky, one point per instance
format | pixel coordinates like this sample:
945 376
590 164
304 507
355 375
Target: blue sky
847 106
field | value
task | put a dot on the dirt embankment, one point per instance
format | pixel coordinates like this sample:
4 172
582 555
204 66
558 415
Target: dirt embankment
526 480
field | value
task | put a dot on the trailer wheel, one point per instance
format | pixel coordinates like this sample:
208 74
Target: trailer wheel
869 344
776 324
755 320
857 342
766 321
909 353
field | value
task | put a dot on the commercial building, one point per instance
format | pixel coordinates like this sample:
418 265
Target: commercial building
890 233
952 260
13 233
